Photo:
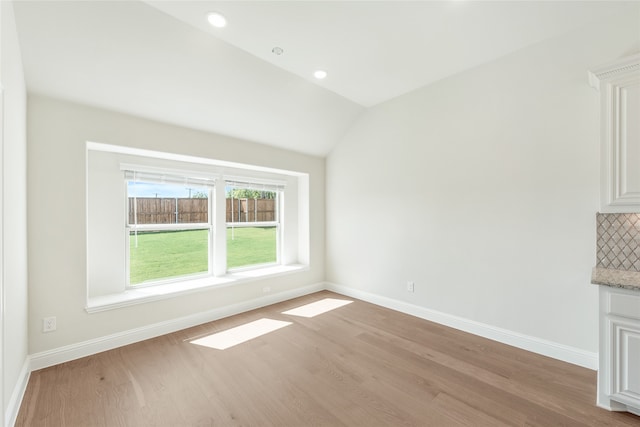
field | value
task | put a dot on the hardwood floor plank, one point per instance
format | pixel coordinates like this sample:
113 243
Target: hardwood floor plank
463 414
357 365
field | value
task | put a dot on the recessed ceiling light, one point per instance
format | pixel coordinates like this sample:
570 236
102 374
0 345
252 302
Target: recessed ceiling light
319 74
217 19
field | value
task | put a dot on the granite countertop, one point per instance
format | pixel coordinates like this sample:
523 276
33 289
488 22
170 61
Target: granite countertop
616 278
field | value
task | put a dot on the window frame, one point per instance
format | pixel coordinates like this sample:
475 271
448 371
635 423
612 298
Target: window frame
128 228
217 260
279 192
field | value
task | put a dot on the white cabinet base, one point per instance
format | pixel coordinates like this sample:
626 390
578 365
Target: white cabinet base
619 370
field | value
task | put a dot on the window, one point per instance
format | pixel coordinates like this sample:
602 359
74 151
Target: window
168 227
170 232
157 224
253 226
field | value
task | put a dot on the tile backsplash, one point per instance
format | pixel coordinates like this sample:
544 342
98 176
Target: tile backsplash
618 241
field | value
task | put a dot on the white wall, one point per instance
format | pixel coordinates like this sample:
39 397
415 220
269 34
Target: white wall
482 188
14 224
58 132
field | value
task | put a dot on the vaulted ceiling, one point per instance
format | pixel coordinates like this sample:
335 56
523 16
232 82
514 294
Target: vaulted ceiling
162 60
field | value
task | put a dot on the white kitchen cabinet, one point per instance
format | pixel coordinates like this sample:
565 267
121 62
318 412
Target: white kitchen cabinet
619 86
619 370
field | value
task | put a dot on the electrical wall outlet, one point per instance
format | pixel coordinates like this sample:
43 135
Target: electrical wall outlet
49 324
266 289
410 286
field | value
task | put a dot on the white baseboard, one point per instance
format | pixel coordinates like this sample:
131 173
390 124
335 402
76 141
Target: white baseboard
86 348
551 349
13 407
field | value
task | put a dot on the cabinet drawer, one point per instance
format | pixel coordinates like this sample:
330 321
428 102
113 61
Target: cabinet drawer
624 305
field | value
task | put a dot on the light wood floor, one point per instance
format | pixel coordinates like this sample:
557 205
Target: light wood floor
358 365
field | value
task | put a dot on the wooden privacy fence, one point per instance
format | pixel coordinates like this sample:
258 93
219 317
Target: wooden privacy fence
251 210
164 210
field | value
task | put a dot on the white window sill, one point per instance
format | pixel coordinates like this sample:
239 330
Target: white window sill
170 290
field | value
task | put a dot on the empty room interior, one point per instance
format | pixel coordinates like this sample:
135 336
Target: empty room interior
327 213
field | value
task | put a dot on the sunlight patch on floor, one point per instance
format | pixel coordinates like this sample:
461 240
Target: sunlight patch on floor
318 307
239 334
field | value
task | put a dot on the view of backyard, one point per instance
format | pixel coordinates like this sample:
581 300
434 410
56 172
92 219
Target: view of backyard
160 255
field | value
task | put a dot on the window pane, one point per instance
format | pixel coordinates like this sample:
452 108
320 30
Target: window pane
151 203
166 254
251 245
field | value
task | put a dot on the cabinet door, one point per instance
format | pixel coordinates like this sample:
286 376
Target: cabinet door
626 362
619 86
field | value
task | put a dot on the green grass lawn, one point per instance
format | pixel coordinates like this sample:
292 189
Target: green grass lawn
162 255
251 245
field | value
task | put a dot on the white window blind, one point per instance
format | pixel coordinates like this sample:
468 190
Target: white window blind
170 177
258 186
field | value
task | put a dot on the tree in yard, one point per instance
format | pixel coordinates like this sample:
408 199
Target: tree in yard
200 195
245 193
